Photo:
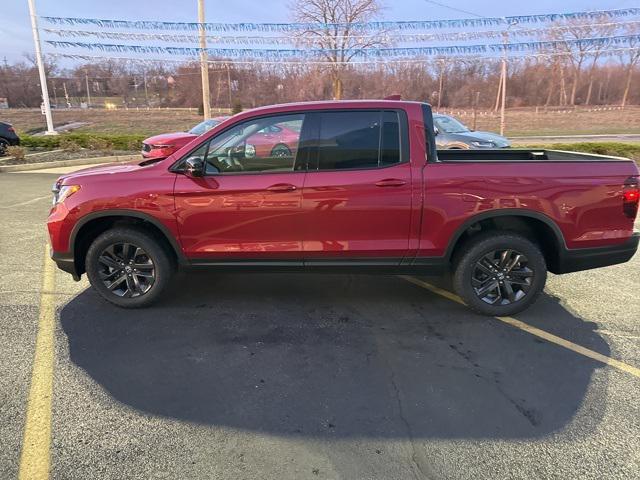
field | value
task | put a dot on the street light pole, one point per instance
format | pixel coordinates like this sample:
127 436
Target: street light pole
204 64
39 62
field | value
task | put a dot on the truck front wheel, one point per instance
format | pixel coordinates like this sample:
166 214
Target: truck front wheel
499 273
128 267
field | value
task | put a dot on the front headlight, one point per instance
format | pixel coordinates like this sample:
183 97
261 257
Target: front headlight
62 192
483 144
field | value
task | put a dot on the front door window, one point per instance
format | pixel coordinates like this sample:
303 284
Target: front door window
267 145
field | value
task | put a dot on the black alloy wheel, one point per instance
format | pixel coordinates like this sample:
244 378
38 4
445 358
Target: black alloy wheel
502 277
499 273
129 266
281 151
126 270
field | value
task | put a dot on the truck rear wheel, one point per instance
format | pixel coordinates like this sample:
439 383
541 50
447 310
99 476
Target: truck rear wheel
128 267
499 273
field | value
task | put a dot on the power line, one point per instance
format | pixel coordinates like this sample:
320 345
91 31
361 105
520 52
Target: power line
454 8
253 62
477 21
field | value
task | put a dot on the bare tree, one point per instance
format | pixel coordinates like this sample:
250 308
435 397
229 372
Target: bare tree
336 32
578 52
631 59
603 30
177 85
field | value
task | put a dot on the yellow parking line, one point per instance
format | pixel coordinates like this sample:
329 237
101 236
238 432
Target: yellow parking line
535 331
35 457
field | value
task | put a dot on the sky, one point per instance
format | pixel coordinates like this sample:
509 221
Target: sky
16 39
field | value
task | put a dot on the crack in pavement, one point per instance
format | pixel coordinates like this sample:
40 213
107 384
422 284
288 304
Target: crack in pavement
414 455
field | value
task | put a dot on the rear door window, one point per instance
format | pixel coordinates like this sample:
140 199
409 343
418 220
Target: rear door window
358 140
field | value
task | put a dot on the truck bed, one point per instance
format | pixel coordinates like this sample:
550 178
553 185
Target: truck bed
522 155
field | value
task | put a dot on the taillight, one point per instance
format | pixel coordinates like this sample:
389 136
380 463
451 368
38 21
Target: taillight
11 129
630 197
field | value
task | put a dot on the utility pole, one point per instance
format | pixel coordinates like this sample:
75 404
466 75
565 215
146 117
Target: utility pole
43 76
563 91
442 66
146 92
66 94
503 92
55 94
475 109
86 79
505 36
229 85
204 63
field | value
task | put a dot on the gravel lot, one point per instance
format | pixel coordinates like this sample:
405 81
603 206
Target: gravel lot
316 376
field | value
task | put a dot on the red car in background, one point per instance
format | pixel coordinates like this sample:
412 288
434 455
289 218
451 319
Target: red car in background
272 141
278 140
163 145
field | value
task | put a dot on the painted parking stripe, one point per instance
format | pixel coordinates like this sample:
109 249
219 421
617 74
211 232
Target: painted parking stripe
535 331
27 202
35 456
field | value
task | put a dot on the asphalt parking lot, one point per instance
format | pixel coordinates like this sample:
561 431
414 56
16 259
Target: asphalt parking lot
313 376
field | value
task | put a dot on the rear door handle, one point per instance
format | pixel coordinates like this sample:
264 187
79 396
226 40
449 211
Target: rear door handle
391 182
281 187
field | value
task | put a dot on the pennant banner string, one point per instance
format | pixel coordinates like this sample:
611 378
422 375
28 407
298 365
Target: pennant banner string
225 63
367 53
360 26
287 40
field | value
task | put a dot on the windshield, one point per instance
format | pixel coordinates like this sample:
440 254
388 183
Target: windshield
204 127
449 125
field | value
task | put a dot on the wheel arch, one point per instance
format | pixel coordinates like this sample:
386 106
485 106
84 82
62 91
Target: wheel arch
90 226
457 145
543 230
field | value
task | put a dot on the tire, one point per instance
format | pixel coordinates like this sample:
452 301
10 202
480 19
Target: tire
3 147
281 150
106 265
483 265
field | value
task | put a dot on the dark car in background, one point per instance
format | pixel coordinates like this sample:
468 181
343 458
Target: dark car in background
163 145
8 137
453 134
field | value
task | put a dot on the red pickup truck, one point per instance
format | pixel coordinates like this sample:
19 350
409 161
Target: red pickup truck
365 190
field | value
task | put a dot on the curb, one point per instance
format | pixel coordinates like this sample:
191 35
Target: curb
67 163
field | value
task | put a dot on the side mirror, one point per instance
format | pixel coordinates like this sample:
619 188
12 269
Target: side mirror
194 167
436 131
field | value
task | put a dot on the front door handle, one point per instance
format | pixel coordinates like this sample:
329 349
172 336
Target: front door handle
281 187
391 182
